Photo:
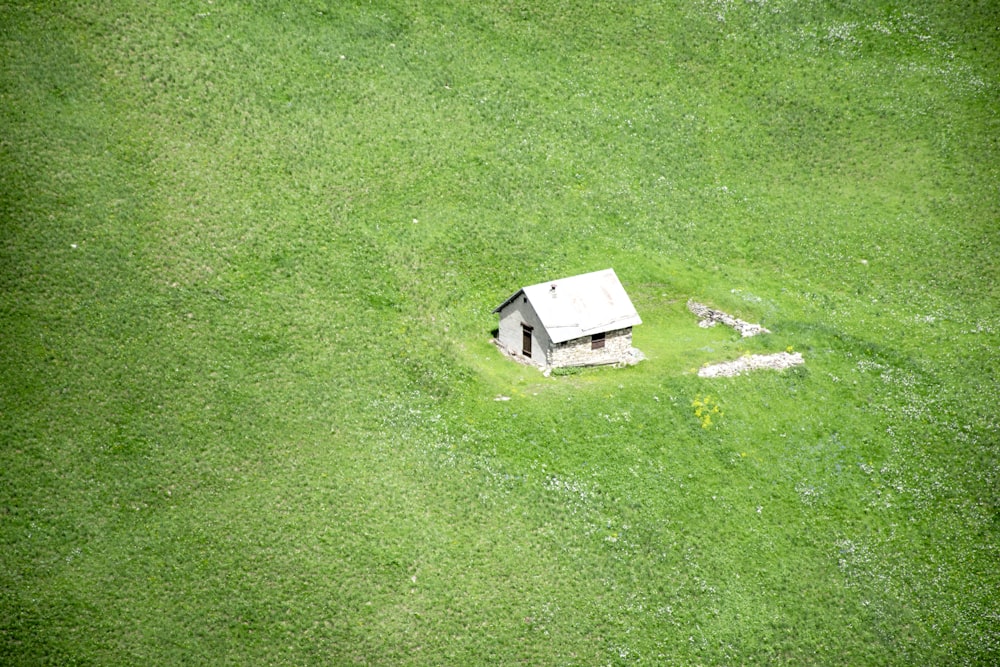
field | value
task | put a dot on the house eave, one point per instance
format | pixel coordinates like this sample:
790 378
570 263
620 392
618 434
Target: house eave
568 333
508 301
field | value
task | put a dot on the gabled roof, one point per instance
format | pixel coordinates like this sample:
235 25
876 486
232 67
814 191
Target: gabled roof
580 305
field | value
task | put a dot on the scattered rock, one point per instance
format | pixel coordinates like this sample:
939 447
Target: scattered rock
634 356
710 317
752 362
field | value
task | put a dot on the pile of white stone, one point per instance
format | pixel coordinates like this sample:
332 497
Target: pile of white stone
710 317
752 362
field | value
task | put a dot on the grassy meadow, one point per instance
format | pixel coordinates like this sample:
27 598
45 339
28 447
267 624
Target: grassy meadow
248 256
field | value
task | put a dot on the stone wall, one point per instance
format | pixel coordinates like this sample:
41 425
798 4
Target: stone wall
710 317
577 352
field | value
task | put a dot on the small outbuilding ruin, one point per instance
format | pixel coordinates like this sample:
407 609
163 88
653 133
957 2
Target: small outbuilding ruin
583 320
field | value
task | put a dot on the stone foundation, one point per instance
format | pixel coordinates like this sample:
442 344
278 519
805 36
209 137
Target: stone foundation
579 352
617 350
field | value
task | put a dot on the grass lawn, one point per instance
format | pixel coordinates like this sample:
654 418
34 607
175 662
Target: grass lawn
248 257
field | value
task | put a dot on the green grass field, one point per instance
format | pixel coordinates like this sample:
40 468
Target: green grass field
248 254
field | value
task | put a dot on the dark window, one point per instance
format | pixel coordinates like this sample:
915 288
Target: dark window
597 341
526 340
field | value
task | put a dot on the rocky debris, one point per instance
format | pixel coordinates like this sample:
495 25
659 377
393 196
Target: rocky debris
779 361
510 353
633 356
710 317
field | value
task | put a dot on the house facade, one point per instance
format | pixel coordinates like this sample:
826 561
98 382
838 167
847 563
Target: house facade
583 320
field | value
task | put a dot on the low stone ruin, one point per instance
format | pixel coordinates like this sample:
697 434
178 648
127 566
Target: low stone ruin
752 362
710 317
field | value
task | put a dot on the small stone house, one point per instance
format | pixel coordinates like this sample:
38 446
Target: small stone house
584 320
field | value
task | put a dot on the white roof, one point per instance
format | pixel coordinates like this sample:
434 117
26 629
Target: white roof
580 305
